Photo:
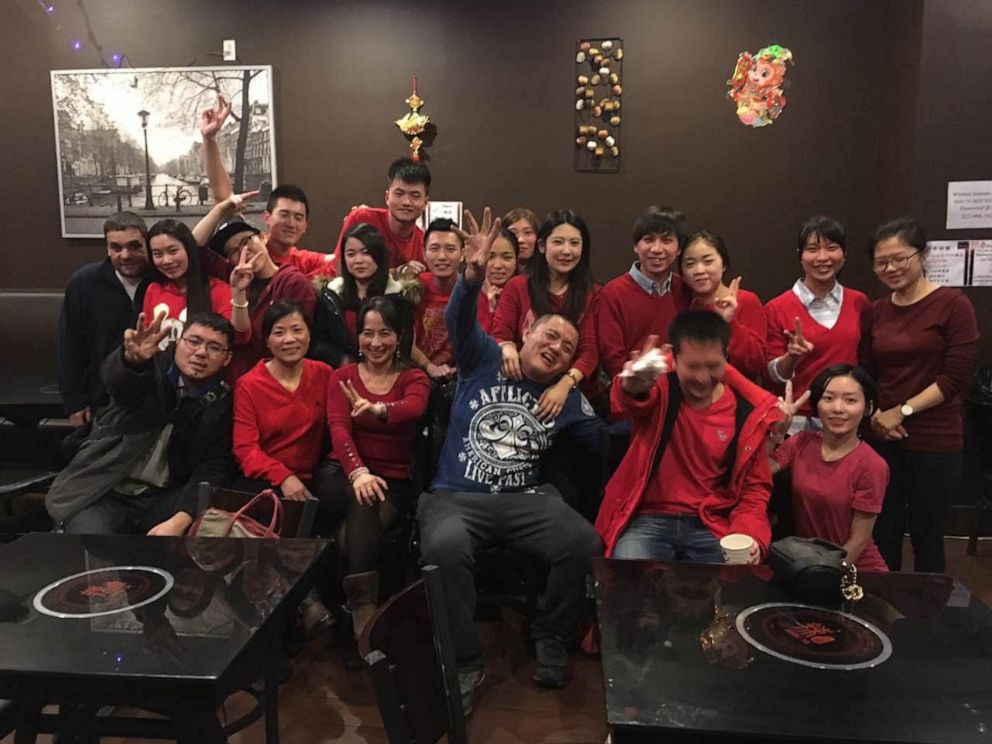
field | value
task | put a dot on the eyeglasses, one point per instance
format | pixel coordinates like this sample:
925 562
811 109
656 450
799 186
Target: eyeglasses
213 348
898 262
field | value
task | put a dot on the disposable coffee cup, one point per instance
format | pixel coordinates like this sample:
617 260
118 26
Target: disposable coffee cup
736 547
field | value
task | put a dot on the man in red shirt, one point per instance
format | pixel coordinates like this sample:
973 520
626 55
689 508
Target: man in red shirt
443 254
695 470
287 210
645 300
407 191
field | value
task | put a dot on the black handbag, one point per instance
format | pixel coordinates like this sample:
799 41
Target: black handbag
814 570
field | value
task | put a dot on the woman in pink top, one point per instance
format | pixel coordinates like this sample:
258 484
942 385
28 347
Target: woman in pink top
838 481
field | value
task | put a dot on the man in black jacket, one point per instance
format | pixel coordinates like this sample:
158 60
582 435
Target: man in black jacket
167 428
101 300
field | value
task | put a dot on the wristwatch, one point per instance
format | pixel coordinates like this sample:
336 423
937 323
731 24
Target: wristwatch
906 410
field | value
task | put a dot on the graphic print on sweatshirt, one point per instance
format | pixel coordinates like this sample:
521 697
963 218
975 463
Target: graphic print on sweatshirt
505 439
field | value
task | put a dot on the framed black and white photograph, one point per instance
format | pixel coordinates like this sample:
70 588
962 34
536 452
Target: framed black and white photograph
129 139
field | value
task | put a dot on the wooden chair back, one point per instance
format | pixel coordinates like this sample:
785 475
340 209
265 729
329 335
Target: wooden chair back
408 647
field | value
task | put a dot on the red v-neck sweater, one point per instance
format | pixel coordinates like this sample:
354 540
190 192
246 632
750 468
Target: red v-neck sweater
837 345
278 433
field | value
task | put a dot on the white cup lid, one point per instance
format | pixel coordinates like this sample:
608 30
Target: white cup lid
737 541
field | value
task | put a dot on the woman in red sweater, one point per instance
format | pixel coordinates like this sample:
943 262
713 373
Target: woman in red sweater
560 281
703 263
816 323
522 222
500 269
280 411
920 344
178 285
374 409
838 482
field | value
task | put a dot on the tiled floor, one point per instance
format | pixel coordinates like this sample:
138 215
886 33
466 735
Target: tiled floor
325 703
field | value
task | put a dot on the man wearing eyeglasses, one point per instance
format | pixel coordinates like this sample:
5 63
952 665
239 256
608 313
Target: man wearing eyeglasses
101 300
167 429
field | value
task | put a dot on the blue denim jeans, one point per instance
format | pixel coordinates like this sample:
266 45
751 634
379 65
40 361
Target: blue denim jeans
667 537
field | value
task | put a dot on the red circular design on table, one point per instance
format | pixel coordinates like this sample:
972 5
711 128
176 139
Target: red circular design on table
103 591
814 636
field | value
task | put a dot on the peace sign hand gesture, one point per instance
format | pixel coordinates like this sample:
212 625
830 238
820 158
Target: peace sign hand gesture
212 120
788 407
361 406
141 342
478 240
797 346
243 274
726 306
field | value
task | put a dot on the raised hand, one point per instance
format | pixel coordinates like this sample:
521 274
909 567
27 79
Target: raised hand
644 367
797 345
509 364
788 407
361 406
141 342
726 306
235 203
478 242
243 274
212 120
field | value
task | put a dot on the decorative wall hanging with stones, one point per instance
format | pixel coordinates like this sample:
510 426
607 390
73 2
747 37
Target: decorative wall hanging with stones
598 92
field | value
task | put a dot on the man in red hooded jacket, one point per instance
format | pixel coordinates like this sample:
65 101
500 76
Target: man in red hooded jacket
696 468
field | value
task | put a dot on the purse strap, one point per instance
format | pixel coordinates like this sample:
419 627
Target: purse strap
275 523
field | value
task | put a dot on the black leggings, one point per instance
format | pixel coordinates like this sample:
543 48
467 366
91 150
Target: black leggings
363 525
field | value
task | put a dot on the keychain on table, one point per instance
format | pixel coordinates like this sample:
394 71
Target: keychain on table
849 584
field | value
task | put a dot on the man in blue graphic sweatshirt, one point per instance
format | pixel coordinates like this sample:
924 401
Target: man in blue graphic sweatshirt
487 489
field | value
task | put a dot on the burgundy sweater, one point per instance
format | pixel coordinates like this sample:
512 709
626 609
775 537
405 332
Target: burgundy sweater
908 348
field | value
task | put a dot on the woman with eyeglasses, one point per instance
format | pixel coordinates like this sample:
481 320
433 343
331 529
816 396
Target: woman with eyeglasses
816 323
919 343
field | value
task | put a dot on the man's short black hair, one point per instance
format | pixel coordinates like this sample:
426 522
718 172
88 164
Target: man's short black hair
410 171
442 224
214 322
288 191
125 221
660 221
701 326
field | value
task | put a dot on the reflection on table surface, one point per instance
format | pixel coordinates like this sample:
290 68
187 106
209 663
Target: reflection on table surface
674 659
223 590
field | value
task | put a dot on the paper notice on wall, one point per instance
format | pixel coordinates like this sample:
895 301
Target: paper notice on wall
946 262
960 263
451 210
969 204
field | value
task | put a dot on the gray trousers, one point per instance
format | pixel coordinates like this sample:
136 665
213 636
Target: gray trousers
453 524
118 514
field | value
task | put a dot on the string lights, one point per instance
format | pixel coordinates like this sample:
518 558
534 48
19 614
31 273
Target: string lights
77 44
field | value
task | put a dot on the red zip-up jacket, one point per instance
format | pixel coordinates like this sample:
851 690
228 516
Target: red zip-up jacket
742 507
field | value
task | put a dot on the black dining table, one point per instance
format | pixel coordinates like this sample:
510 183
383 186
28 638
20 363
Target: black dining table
169 625
718 653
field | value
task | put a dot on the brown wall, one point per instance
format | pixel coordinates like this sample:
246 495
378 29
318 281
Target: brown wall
497 80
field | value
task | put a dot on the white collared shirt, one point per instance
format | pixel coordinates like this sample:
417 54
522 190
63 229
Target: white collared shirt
824 311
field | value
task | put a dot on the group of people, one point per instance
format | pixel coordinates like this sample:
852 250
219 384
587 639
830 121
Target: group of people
227 355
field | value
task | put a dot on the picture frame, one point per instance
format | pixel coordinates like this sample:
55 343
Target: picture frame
128 139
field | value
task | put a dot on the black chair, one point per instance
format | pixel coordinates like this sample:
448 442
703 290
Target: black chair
408 648
297 516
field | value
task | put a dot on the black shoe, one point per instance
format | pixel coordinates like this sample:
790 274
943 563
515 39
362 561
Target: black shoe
552 663
469 681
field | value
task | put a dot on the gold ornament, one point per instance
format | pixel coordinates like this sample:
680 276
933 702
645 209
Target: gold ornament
414 123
